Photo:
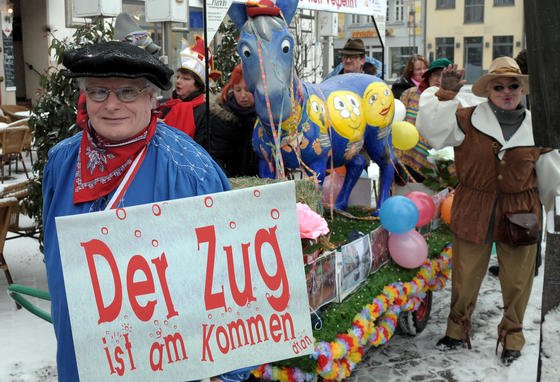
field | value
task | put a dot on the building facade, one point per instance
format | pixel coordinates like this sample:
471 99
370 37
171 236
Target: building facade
404 35
469 32
472 33
29 27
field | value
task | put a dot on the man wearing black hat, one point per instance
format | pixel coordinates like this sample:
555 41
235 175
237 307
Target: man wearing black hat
353 56
354 60
121 146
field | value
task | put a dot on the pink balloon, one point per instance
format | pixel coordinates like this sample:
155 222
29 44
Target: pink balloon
426 206
409 249
331 183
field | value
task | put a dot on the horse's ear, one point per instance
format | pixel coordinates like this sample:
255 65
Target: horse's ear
288 8
238 14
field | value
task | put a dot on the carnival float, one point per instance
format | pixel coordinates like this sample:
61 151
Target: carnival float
313 128
370 267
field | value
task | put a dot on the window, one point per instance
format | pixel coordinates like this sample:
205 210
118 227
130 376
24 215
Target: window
474 11
445 4
445 48
399 10
399 58
472 56
499 3
502 46
355 19
396 12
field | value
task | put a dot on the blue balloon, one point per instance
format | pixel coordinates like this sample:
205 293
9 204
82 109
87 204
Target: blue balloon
398 214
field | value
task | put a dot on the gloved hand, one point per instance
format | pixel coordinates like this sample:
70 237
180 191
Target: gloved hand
451 78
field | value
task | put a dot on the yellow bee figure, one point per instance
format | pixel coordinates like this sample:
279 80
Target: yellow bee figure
316 111
378 104
346 115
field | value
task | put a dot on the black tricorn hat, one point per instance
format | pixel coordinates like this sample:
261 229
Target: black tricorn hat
116 59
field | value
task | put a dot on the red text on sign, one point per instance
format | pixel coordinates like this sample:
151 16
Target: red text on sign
137 265
277 281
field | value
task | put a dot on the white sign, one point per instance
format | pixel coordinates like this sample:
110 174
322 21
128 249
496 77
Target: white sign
358 7
92 8
186 289
216 10
165 10
375 8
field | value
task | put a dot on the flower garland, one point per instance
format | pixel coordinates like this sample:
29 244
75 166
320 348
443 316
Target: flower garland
337 359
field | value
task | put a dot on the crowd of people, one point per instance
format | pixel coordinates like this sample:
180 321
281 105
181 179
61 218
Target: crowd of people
226 131
125 136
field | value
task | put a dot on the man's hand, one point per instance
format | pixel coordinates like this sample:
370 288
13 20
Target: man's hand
451 78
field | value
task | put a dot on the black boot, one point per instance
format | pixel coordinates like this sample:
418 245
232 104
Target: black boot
508 356
447 343
494 270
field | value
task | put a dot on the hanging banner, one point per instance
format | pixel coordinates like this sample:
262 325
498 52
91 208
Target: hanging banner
374 8
186 289
216 10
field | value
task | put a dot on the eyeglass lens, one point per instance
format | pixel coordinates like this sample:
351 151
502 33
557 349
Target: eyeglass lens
500 88
124 94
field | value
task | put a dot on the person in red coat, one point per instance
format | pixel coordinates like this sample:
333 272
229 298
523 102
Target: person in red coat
185 110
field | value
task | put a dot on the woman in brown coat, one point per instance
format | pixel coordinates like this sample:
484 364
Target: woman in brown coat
501 174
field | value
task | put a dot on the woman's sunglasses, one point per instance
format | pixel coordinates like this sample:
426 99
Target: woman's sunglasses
500 88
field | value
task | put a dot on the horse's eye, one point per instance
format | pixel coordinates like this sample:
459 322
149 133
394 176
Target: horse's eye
285 46
246 51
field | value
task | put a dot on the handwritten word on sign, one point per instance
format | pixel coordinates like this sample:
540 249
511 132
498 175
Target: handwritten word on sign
186 289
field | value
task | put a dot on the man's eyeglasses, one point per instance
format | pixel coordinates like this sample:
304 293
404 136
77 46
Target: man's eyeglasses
500 88
124 94
352 58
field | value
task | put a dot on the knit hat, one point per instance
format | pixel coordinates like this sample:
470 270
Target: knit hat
354 47
116 59
193 59
500 67
440 63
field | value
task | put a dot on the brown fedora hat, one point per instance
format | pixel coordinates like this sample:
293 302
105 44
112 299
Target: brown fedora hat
354 47
500 67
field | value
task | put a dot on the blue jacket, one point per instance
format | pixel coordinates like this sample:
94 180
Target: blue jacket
174 167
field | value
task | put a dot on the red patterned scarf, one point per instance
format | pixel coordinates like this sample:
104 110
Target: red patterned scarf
102 164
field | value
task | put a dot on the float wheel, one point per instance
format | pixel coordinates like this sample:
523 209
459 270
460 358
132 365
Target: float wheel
413 323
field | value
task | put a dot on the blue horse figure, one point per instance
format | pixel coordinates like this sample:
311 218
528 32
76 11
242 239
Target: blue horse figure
306 126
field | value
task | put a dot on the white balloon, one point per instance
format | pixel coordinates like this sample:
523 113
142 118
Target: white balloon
400 111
